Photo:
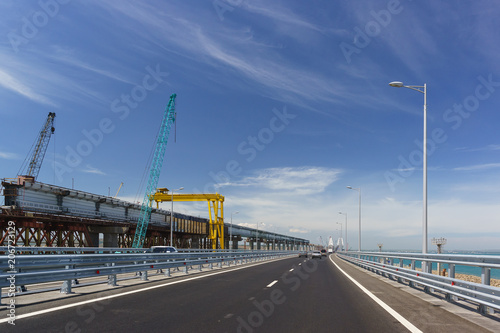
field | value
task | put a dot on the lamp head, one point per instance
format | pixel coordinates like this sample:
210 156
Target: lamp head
396 84
349 187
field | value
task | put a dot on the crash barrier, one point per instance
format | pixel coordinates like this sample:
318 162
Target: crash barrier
18 271
403 267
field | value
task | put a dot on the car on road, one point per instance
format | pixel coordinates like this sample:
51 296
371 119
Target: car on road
323 252
303 254
163 249
316 254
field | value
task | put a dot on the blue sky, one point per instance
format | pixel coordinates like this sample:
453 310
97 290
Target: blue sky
281 105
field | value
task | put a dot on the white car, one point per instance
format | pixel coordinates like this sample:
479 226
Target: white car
316 254
163 249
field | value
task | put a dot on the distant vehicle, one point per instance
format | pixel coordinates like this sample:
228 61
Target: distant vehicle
330 250
316 254
163 249
323 252
303 254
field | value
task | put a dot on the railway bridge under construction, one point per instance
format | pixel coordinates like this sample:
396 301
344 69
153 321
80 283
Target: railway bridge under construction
41 214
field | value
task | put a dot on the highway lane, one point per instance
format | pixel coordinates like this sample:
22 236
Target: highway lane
290 295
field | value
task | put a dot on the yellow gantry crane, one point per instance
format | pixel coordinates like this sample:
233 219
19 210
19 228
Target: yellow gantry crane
215 209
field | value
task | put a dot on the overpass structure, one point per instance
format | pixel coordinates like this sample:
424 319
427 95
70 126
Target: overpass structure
49 215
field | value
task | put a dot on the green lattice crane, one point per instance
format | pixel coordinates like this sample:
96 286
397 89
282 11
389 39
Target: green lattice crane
154 174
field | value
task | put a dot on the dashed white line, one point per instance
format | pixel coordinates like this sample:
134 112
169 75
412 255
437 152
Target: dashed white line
67 306
412 328
272 284
291 270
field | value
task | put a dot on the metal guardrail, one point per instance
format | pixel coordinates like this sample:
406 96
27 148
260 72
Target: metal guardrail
392 265
87 250
18 271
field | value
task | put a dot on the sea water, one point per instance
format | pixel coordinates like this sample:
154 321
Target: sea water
462 269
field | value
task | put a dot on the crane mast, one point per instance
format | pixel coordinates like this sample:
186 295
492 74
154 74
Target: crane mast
154 174
40 147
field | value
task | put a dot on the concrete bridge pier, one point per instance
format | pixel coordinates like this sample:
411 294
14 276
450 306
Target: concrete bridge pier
110 235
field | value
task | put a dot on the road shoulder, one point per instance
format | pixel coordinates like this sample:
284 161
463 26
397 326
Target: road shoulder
427 312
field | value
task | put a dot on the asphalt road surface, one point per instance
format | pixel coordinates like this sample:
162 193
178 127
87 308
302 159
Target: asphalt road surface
289 295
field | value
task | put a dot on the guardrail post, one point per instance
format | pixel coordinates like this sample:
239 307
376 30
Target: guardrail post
144 274
112 277
451 270
483 309
167 272
186 269
201 265
66 286
451 298
485 275
20 288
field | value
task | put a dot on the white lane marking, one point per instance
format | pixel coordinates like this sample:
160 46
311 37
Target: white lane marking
291 270
272 284
386 307
62 307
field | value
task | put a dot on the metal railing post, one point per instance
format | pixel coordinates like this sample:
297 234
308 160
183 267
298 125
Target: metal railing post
451 271
485 275
66 286
112 277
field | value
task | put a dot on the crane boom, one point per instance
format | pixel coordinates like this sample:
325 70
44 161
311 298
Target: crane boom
154 174
40 147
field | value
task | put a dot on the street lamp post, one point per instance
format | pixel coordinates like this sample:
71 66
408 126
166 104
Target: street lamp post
346 242
359 216
257 237
231 231
423 90
172 217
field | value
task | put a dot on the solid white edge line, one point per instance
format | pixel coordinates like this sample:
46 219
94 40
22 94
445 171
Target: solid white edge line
62 307
272 284
412 328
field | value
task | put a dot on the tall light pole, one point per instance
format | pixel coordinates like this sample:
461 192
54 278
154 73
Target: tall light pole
231 231
423 90
340 230
359 215
172 217
257 236
346 242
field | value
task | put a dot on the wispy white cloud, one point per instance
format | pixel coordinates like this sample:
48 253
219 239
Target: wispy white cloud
302 180
478 167
280 14
90 169
299 230
271 72
8 156
9 82
491 147
67 57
